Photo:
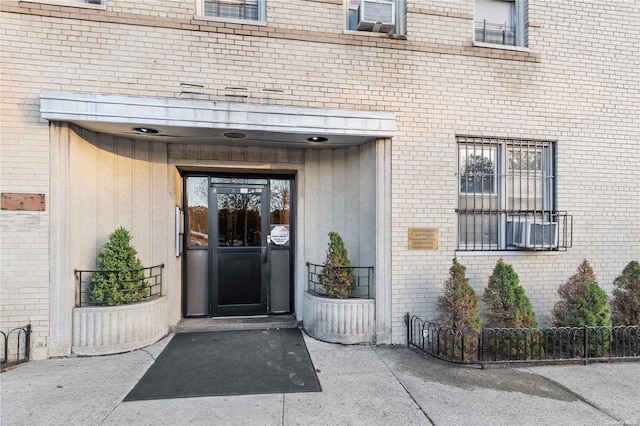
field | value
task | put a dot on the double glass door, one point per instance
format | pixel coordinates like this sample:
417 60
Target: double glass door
237 246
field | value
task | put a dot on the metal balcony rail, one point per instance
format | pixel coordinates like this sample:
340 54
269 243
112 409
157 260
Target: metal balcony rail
151 281
523 345
487 32
17 343
362 274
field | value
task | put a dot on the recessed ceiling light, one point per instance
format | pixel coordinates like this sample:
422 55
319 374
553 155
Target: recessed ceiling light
317 139
146 130
234 135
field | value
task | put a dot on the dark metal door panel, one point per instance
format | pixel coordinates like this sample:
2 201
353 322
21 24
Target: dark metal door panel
239 267
279 277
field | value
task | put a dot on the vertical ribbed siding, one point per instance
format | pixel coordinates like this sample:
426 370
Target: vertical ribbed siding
339 320
113 329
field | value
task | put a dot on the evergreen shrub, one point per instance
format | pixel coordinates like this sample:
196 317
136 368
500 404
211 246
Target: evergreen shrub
583 303
120 277
459 308
625 304
337 276
507 306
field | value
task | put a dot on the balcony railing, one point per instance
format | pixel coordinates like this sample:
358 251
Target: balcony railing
363 276
487 32
151 283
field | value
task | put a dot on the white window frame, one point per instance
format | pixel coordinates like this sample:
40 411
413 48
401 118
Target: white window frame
262 13
399 30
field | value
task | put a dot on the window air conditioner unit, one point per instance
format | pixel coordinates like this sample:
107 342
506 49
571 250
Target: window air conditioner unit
528 234
94 1
376 16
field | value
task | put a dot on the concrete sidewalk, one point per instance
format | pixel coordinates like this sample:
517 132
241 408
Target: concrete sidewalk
362 385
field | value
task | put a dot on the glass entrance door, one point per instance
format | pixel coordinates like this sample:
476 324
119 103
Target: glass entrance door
239 261
238 246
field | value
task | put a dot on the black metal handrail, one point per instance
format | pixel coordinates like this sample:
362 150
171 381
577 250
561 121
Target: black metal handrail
362 274
152 281
17 343
523 345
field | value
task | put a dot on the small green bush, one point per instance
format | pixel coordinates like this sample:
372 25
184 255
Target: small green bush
582 301
625 304
337 276
120 279
459 308
507 305
459 304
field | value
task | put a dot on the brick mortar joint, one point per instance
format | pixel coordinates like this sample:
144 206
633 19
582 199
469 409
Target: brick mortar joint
273 32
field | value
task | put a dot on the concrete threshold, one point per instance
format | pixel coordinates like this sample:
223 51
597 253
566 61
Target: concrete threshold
194 325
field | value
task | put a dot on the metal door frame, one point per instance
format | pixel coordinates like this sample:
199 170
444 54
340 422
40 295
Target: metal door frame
214 251
291 178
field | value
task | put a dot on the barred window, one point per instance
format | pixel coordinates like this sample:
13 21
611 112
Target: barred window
507 195
244 10
501 22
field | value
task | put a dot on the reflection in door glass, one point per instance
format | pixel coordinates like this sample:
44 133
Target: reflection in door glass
197 211
239 219
279 212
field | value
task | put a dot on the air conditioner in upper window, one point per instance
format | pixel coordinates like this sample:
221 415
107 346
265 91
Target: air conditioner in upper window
376 16
94 1
531 234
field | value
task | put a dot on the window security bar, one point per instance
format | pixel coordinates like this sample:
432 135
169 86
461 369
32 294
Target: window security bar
235 9
487 32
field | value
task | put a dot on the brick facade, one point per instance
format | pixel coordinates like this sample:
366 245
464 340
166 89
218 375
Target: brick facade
576 83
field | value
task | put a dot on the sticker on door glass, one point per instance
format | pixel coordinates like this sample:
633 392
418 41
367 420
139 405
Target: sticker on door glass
279 234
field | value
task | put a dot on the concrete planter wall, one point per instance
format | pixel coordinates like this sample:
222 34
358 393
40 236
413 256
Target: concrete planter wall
103 330
347 321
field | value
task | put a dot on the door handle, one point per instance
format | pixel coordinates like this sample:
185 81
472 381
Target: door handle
265 254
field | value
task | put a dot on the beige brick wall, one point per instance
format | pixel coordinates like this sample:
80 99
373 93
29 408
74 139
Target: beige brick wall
577 84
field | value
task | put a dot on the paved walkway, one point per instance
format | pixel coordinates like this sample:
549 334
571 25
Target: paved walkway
362 385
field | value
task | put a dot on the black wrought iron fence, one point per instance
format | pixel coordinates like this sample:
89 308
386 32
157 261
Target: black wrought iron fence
149 285
523 345
363 276
17 343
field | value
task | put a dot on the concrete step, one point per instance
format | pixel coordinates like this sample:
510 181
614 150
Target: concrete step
191 325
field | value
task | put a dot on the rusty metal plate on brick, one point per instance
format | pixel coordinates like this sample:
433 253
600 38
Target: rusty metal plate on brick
23 201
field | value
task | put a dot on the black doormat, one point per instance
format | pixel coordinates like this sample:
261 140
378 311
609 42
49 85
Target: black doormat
229 363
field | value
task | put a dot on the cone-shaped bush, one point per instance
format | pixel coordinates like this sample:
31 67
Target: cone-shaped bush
507 305
121 276
459 307
582 301
459 304
625 305
337 275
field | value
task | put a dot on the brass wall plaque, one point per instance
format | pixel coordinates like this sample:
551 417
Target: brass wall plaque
423 239
21 201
